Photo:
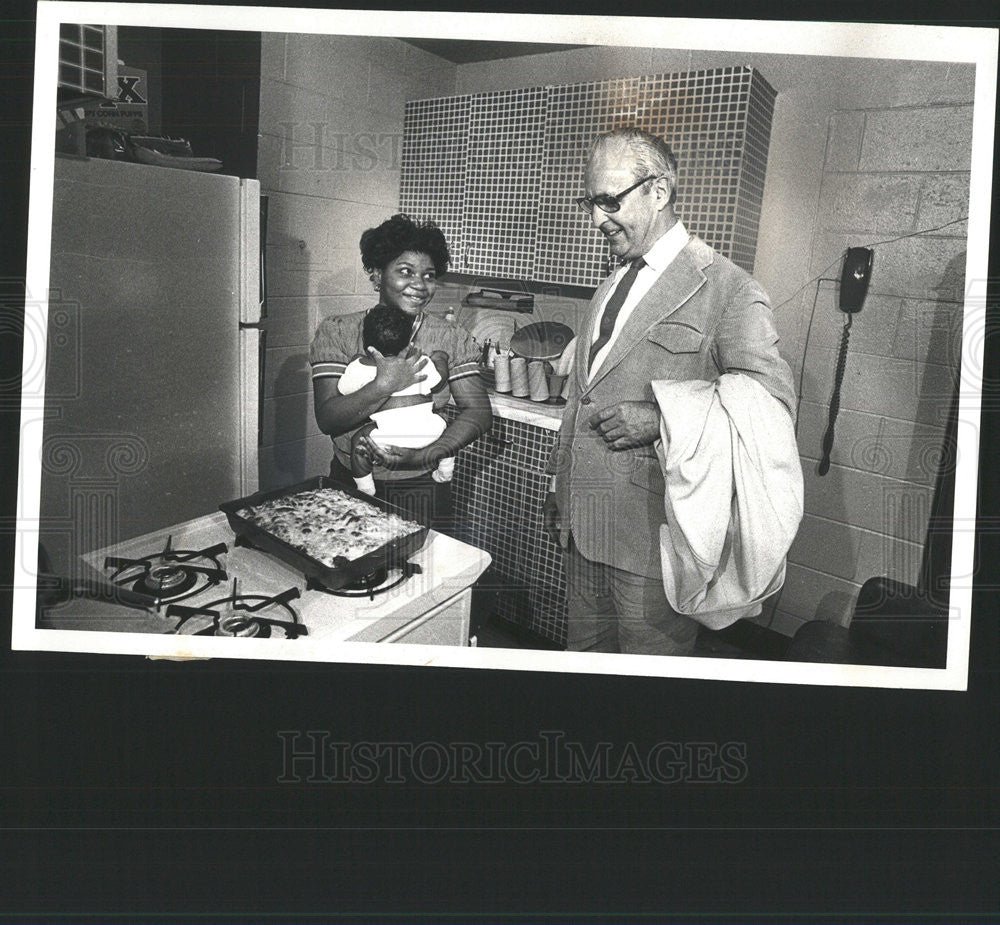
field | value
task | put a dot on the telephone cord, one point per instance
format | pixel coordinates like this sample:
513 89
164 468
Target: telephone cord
824 465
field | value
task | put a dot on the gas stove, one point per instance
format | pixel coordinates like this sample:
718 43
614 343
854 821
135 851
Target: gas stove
196 579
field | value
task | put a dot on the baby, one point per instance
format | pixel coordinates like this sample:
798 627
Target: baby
407 419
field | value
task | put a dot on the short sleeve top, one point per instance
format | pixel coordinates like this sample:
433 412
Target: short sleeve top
338 340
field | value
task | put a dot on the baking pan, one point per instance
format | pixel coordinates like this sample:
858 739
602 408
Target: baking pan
393 553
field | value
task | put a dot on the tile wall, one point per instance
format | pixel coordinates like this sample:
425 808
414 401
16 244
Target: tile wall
503 182
499 487
435 152
569 248
526 153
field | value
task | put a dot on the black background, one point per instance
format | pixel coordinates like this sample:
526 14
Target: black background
129 786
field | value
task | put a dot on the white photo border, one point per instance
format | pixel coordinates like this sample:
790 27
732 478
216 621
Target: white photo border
906 42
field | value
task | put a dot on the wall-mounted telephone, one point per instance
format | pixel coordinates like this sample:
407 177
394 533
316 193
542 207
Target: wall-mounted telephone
854 279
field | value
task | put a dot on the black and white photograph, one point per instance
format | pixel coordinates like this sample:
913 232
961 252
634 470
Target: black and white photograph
250 250
677 599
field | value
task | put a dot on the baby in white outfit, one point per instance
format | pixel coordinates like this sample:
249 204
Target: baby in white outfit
407 419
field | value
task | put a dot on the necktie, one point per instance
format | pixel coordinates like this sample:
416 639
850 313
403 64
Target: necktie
614 305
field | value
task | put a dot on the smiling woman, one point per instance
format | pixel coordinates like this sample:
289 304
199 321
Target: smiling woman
404 260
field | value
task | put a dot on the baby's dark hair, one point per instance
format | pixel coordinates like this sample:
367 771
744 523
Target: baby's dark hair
396 235
387 329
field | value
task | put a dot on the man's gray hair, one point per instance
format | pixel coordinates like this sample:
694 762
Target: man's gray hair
652 155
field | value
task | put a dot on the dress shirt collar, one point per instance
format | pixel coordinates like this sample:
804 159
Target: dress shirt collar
666 247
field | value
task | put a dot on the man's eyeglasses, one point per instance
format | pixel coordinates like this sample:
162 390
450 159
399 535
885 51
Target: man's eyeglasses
606 202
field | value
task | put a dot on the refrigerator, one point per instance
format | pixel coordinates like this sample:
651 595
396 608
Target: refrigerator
154 353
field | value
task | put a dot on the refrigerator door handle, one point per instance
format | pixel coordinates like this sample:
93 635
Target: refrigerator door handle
261 357
263 202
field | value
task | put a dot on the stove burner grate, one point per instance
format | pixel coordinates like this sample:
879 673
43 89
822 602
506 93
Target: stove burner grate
377 581
240 615
170 575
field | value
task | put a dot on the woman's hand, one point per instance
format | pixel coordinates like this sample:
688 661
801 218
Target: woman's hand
395 373
398 457
474 418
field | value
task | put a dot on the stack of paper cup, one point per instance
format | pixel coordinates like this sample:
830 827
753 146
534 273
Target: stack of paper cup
501 370
519 377
537 383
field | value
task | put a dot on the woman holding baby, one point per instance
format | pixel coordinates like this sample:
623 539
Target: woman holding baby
424 360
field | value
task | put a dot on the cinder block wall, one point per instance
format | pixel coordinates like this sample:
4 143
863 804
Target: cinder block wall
888 174
331 122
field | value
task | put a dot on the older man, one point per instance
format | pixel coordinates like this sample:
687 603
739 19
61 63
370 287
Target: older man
675 310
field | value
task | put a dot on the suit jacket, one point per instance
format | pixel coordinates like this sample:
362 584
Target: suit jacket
733 502
703 317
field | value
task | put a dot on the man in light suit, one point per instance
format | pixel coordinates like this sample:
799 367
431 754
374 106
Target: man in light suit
675 310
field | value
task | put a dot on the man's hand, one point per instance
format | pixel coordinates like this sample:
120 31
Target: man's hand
395 373
628 424
551 518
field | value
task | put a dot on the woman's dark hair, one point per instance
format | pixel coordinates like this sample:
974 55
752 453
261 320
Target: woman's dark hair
381 245
387 329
